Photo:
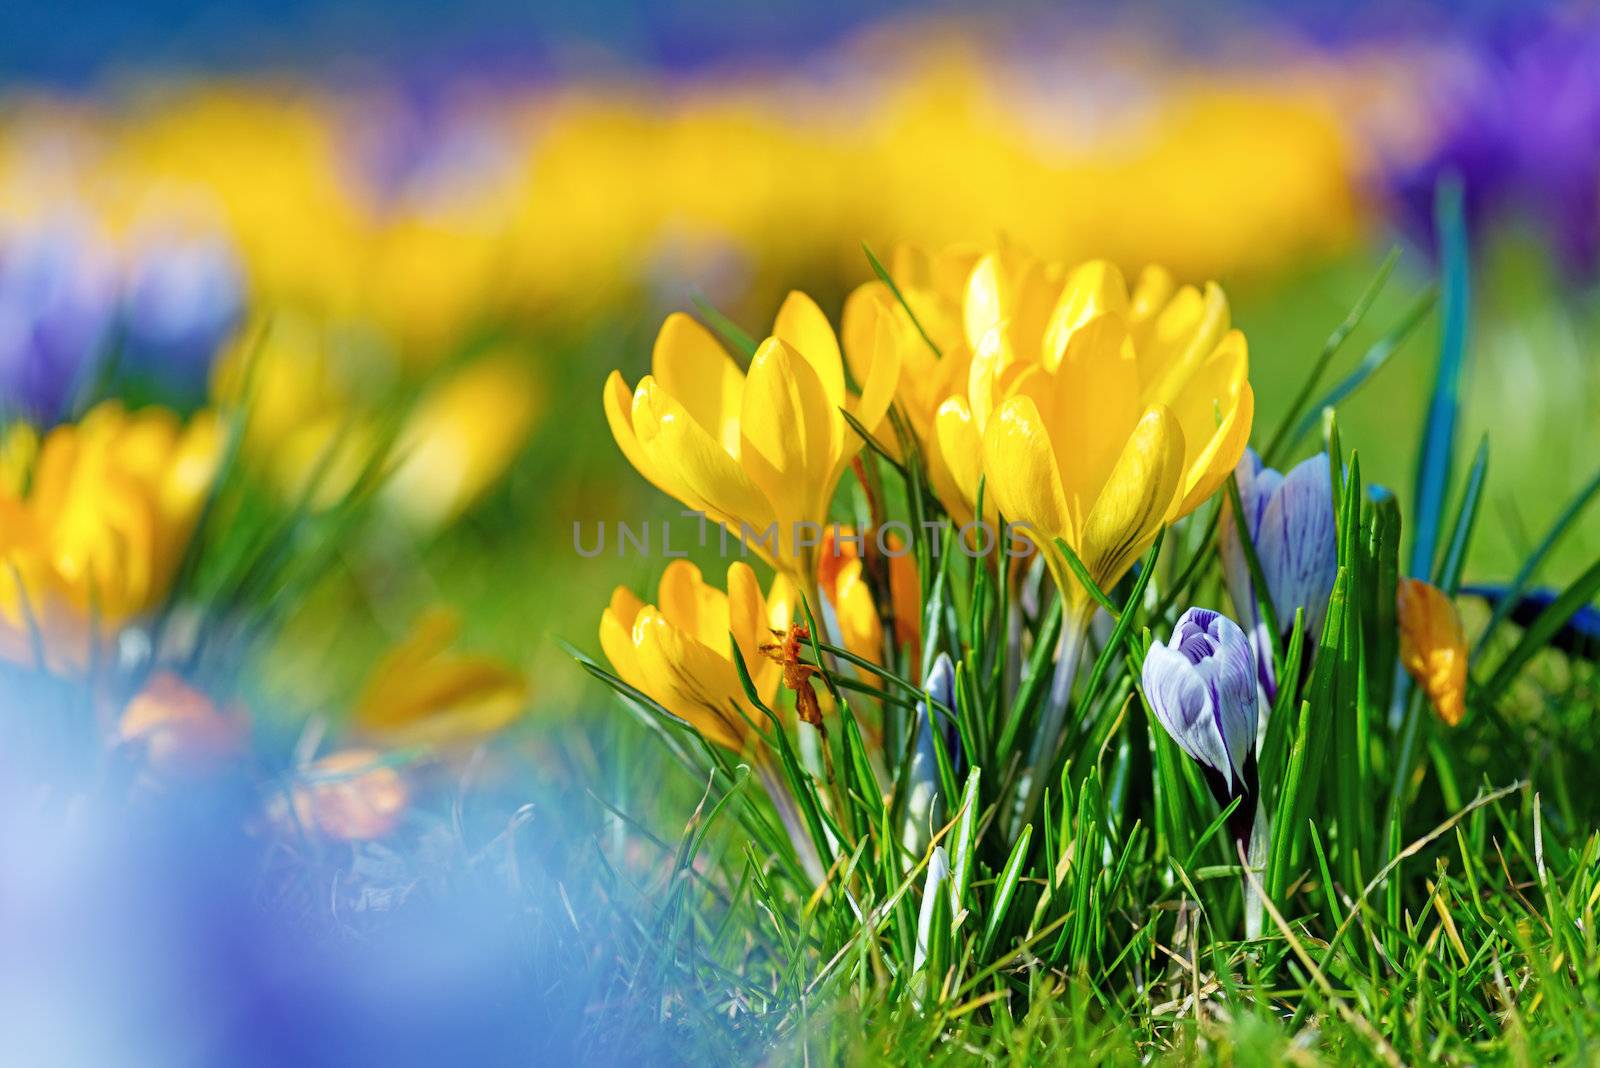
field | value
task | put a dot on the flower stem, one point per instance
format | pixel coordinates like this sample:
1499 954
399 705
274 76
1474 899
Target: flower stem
1042 753
789 816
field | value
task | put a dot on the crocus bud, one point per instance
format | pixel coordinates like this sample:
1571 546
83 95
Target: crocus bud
934 888
1291 523
1433 646
1202 687
922 802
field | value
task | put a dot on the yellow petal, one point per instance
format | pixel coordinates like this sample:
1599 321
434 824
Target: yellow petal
1136 497
696 370
1023 474
858 326
790 436
955 462
984 308
1183 337
689 679
1221 454
616 637
853 606
1093 407
801 324
1433 647
877 391
752 619
692 606
619 415
1094 290
1150 294
694 468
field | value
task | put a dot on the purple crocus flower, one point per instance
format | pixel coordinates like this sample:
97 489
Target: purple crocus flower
58 290
184 296
1291 523
1202 687
1519 125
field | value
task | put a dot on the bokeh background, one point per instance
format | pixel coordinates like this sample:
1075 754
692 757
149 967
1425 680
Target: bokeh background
443 226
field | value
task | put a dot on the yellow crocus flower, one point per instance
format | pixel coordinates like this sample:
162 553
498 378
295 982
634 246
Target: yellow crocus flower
420 693
1128 415
18 447
110 505
932 368
676 651
461 437
845 584
1433 647
303 428
756 452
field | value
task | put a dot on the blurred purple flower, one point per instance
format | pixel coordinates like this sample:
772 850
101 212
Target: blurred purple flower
1291 523
184 295
58 293
1521 130
1202 687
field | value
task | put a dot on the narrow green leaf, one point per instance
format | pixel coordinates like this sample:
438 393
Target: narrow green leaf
883 276
1335 340
1089 583
1005 890
727 329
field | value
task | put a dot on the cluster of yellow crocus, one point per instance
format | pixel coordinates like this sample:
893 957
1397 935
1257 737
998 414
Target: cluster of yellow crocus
1092 412
759 452
95 519
678 651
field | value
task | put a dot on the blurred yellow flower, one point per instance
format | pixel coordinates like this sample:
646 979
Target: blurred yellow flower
349 795
847 587
420 693
303 427
1102 414
1433 647
461 437
18 447
110 504
1212 171
180 728
761 452
677 651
